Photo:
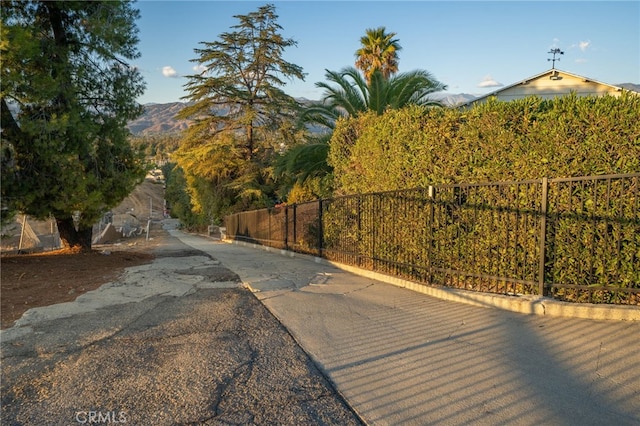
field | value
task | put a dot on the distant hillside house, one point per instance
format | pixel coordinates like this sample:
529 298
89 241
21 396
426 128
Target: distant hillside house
551 84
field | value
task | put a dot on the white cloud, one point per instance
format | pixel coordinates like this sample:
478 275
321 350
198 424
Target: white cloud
169 72
584 45
580 61
488 81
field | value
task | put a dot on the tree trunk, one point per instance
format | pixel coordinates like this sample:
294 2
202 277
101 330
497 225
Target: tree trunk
74 239
249 142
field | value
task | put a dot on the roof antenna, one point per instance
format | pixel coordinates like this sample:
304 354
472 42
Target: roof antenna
555 52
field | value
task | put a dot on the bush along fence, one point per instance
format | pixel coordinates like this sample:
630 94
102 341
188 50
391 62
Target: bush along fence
572 239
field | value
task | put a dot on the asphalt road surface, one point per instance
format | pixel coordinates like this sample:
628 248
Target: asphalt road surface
175 342
404 358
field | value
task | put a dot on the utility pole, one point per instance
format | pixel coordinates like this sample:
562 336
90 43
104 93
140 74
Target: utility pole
555 52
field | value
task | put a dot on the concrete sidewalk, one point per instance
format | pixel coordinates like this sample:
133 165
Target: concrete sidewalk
400 357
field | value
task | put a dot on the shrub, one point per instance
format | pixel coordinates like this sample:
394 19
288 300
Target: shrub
495 141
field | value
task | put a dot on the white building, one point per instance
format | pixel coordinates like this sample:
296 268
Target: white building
551 84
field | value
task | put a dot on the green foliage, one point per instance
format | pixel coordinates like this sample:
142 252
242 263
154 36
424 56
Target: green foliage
67 94
468 235
312 188
594 239
227 156
496 141
304 169
483 236
378 51
178 202
487 237
157 147
348 94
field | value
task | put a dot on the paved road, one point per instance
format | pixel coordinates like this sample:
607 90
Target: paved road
178 341
400 357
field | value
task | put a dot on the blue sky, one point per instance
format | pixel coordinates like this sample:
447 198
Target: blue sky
473 47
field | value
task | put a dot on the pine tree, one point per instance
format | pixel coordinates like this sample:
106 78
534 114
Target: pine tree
239 112
67 93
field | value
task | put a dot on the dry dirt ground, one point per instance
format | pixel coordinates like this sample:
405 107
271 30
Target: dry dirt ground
229 361
42 279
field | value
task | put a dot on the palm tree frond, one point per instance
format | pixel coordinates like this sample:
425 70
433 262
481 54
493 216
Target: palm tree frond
378 51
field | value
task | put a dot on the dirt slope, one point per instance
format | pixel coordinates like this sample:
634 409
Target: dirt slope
146 197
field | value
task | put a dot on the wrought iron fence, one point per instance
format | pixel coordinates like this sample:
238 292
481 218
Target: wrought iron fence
575 239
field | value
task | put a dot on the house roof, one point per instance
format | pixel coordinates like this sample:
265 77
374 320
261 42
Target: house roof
541 75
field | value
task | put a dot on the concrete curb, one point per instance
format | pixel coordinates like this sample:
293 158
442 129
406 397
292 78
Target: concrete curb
532 305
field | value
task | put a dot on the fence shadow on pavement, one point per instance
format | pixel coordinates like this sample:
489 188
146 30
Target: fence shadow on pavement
428 361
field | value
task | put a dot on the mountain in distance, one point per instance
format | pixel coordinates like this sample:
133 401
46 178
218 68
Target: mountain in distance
160 118
630 86
453 99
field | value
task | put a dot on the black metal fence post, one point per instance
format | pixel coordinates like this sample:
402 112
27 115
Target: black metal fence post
359 229
431 219
543 236
373 212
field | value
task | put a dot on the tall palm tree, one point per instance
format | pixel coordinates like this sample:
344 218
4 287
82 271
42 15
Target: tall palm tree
348 94
379 51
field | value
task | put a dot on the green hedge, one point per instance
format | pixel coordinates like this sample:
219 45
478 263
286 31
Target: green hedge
496 141
468 233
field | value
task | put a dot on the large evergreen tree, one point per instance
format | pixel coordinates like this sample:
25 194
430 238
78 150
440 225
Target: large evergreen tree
67 93
237 106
